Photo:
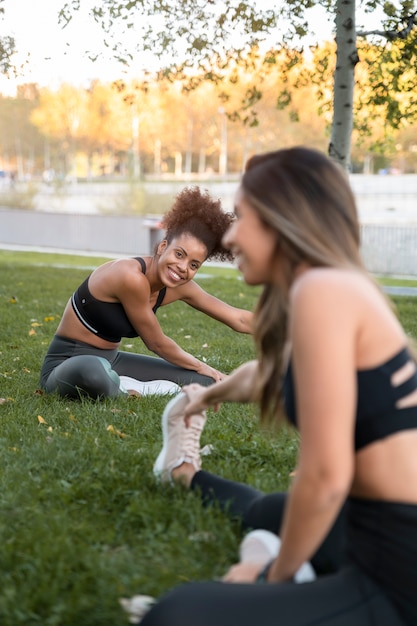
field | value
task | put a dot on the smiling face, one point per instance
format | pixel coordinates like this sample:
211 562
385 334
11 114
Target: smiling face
180 260
253 244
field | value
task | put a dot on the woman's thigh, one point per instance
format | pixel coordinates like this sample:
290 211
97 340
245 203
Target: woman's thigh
344 599
146 368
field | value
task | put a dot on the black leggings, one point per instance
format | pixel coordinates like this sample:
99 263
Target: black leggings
75 369
345 596
255 509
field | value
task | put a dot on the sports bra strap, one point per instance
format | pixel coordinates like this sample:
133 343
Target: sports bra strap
161 294
142 263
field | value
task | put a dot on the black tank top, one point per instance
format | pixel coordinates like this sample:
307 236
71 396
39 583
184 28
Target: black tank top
377 415
107 320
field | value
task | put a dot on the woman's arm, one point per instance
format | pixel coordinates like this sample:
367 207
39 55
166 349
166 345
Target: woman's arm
239 386
239 320
324 330
134 295
324 327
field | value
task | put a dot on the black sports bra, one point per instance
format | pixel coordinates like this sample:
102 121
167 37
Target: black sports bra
376 413
107 320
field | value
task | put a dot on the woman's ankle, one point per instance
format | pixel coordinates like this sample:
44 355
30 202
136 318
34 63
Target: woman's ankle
183 474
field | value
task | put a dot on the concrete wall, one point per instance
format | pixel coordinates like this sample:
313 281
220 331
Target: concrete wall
386 249
119 235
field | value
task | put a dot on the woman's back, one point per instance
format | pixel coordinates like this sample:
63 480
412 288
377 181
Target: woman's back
359 326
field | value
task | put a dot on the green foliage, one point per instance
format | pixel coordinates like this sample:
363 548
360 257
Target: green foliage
7 49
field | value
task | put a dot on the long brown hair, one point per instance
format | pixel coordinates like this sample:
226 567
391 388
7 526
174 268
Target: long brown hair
307 200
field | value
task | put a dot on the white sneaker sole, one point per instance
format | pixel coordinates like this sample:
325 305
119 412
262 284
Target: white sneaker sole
174 406
150 387
259 546
266 546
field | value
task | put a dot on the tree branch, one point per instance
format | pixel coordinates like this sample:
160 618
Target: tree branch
391 35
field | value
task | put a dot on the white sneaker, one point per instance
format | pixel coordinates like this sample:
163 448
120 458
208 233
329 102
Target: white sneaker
132 386
180 444
261 546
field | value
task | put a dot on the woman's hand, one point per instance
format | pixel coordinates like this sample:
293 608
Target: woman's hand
243 573
197 400
206 370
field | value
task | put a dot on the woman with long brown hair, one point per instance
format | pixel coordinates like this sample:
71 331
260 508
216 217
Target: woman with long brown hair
334 358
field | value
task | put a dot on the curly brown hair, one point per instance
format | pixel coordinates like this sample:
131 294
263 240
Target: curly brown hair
195 212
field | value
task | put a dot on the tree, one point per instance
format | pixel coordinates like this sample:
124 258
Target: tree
7 49
224 35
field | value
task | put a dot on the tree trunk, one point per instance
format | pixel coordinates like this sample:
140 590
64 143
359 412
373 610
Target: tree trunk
202 161
344 80
189 152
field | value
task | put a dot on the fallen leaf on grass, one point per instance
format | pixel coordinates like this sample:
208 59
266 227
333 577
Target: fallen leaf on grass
31 332
4 400
114 431
49 318
41 420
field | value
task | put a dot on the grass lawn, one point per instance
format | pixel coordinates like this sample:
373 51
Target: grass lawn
83 521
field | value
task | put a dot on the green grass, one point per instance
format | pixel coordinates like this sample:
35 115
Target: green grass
397 282
82 520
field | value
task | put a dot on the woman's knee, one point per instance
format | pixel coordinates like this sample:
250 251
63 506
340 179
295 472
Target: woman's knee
171 609
196 603
84 375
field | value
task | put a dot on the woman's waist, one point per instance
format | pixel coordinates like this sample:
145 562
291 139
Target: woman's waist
386 470
72 328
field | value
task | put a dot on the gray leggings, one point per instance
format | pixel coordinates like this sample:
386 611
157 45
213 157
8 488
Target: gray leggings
75 369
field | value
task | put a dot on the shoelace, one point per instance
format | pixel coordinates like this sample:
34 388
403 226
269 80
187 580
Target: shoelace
191 441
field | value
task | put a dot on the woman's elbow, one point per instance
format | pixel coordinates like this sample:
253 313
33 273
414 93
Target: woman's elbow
244 324
330 485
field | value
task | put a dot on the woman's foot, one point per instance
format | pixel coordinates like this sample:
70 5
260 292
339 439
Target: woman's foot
261 546
179 458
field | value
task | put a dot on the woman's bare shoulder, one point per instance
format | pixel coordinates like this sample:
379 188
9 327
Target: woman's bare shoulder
117 277
319 281
332 294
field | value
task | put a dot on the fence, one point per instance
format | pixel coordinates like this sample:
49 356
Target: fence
390 249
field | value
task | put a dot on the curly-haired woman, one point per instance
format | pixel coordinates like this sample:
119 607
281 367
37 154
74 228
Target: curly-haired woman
120 299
